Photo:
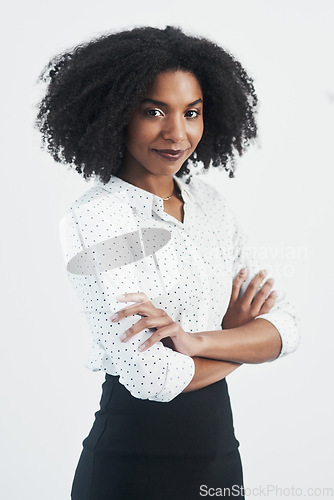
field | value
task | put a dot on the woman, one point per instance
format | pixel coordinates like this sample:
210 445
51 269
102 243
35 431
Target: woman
174 299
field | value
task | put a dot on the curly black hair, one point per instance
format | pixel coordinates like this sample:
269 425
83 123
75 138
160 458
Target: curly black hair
93 89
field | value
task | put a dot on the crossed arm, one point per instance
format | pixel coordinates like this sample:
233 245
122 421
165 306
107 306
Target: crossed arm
256 342
216 354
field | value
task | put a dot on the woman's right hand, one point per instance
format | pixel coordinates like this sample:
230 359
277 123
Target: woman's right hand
252 303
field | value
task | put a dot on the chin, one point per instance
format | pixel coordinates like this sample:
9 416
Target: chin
162 168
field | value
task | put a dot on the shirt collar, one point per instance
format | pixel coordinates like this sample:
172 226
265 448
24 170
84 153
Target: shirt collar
140 200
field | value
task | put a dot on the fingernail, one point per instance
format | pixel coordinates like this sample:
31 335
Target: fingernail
270 281
275 294
123 336
142 347
243 271
120 297
263 273
114 316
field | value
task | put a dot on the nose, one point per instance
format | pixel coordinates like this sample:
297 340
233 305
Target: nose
174 129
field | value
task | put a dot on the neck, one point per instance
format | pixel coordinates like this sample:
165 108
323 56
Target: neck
159 184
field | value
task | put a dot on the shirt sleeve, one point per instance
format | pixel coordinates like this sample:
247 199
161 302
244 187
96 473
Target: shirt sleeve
283 314
98 277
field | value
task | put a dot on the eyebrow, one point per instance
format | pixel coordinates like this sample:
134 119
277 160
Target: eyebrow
160 103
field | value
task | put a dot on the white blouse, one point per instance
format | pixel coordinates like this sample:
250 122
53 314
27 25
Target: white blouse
117 238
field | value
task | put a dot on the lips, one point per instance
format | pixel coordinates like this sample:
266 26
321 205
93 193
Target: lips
170 154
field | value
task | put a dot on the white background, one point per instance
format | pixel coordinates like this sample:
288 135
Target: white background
282 196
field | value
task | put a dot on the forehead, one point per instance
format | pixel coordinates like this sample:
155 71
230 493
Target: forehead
175 84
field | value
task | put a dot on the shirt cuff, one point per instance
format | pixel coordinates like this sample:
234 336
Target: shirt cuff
180 372
287 328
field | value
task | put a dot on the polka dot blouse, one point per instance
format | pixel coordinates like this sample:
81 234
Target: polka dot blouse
117 238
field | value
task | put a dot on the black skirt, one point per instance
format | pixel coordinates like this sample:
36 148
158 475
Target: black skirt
146 450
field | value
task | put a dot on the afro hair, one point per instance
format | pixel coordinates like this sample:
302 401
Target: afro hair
93 89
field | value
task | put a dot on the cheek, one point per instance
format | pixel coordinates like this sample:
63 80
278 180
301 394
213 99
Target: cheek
140 134
197 133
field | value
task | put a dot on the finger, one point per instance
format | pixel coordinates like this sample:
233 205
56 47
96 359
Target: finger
132 297
269 303
253 286
142 324
166 331
262 295
142 308
237 283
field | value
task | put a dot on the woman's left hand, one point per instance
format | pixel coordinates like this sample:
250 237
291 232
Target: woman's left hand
153 318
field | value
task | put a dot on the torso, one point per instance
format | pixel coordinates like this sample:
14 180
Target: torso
174 206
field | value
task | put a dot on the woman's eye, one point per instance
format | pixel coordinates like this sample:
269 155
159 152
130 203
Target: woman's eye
192 113
154 112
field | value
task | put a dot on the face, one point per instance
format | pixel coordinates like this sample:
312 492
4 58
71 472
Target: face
166 126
